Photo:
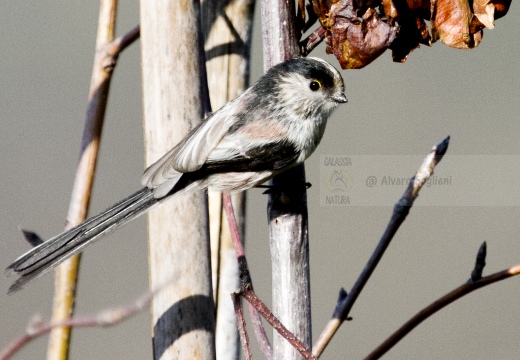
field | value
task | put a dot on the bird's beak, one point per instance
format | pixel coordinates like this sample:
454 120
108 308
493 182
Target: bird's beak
341 98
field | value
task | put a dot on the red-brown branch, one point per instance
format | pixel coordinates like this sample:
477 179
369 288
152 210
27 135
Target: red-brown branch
438 305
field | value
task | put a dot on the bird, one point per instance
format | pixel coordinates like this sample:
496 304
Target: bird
274 125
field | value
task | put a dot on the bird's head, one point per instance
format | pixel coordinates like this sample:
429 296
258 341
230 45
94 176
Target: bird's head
307 86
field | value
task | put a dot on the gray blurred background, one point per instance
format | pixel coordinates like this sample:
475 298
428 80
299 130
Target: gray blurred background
399 109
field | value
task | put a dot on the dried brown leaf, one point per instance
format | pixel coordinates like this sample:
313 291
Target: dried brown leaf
418 4
451 22
358 31
408 17
390 10
486 11
501 7
413 32
355 42
322 9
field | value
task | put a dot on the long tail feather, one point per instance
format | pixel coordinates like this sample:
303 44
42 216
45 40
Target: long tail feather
52 252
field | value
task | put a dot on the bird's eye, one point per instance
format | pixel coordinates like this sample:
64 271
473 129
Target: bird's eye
315 85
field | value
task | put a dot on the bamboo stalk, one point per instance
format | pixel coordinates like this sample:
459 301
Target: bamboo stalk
227 28
67 273
183 316
287 211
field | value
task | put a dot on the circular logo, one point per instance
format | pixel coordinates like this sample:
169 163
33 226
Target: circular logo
338 181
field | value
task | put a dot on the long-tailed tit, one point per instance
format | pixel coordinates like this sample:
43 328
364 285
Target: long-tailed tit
274 125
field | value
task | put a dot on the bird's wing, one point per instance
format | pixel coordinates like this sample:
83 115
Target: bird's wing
236 153
192 152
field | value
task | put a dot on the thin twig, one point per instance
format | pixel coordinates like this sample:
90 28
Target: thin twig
122 42
98 93
104 318
258 328
31 237
241 323
401 210
308 44
260 334
256 305
439 304
233 227
67 272
299 20
480 263
251 297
